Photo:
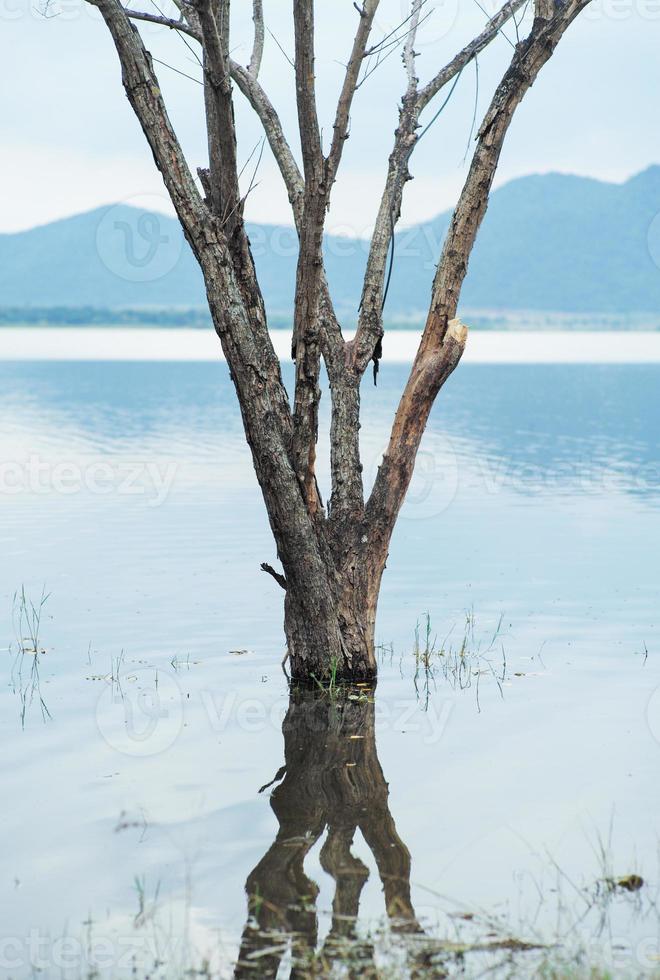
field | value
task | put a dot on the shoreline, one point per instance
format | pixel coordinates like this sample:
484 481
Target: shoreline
399 346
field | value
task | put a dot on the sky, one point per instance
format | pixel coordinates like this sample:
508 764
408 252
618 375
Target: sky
71 143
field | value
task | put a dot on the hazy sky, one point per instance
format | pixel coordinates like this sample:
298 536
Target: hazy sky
70 141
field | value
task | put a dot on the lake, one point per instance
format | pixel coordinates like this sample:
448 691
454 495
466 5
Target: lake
496 791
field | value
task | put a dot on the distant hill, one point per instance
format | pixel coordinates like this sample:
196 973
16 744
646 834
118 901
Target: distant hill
548 243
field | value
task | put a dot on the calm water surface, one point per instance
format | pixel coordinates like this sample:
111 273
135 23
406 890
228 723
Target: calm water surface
132 815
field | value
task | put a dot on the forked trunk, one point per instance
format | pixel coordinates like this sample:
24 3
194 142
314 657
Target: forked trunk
333 563
331 579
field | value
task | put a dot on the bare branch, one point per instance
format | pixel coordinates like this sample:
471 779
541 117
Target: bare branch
256 96
469 52
384 49
258 45
252 90
528 60
310 134
347 498
223 163
444 336
340 129
280 46
476 108
185 16
279 578
221 10
177 71
293 180
393 37
367 342
305 347
175 25
188 13
409 47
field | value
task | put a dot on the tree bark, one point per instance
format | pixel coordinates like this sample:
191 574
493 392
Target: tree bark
332 562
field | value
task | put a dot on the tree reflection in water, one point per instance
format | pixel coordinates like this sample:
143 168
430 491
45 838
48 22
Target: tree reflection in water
332 780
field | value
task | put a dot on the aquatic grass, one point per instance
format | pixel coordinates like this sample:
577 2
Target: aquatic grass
178 664
147 908
26 618
460 663
464 941
330 684
385 651
116 665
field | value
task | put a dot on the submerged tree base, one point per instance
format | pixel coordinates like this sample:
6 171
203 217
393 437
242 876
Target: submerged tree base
333 678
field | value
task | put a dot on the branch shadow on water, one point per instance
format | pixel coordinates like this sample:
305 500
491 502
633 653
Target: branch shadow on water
331 781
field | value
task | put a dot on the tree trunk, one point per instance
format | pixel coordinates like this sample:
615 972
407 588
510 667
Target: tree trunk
348 653
331 588
333 564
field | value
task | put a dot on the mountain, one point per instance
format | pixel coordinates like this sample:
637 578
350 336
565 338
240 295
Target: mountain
548 243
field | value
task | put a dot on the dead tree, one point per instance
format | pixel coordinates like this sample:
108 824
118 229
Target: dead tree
333 556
